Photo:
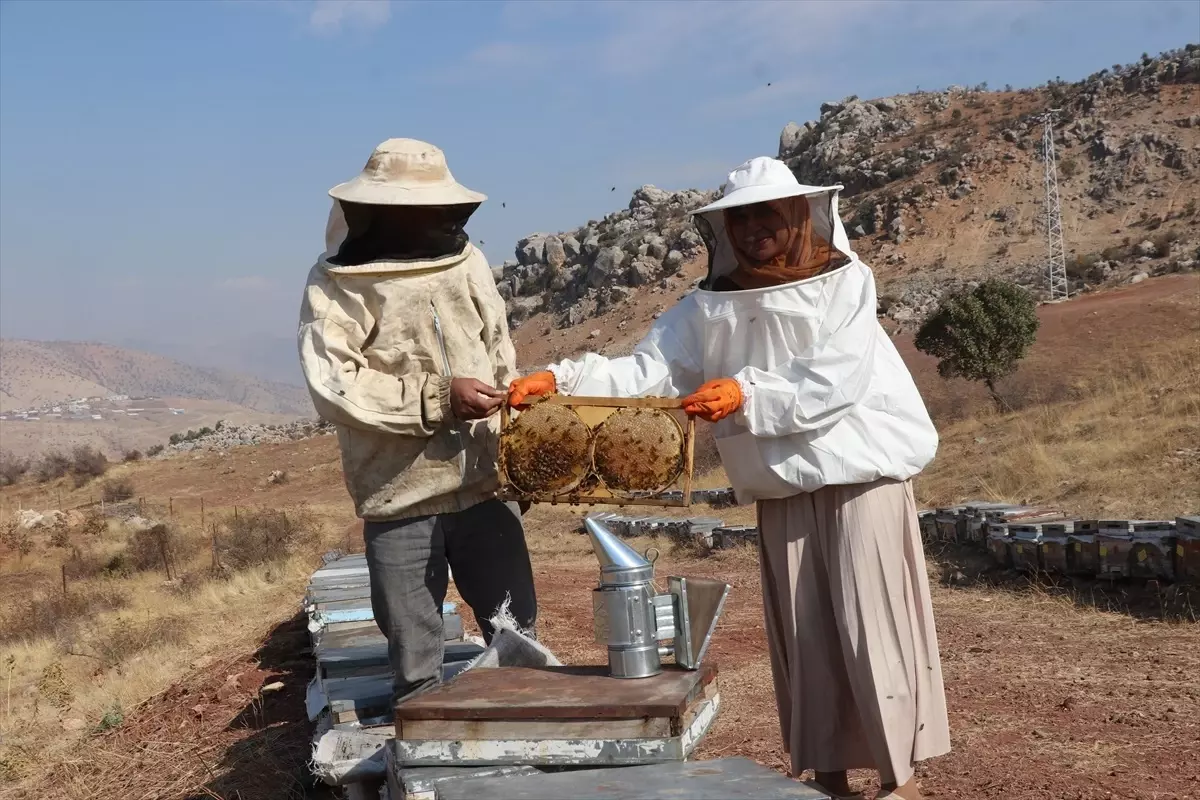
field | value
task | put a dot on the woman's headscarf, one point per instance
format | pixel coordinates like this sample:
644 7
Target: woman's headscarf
805 255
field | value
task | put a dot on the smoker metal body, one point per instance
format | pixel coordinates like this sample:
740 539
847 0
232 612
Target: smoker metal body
637 623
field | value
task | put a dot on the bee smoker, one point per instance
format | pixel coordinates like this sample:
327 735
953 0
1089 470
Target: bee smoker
636 622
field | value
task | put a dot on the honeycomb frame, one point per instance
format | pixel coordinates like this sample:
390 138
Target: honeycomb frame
592 490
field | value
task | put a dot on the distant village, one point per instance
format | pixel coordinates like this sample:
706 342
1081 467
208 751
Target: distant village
116 406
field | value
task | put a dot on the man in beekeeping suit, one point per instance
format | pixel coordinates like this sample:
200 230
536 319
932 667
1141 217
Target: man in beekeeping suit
404 339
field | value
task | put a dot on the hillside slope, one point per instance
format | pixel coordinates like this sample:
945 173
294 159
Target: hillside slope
941 189
33 374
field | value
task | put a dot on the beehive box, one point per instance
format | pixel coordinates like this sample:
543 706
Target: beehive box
1187 549
998 544
1083 557
945 524
589 450
1151 556
928 522
1052 551
1023 553
1114 548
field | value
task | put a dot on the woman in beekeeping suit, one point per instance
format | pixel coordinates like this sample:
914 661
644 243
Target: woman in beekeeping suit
819 422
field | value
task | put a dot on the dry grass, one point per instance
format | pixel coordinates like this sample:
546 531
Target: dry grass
1130 447
119 635
49 615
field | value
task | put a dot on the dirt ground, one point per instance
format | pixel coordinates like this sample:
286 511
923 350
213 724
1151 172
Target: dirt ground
1078 692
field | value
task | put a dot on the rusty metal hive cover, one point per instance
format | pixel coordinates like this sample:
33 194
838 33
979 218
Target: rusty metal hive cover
638 450
546 450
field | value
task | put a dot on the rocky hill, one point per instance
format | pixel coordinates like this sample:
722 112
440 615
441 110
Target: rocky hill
941 188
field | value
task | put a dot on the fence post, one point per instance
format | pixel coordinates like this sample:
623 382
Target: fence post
171 506
215 561
162 547
235 512
64 576
201 511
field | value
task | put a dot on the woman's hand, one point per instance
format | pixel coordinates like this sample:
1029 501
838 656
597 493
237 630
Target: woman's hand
535 385
715 400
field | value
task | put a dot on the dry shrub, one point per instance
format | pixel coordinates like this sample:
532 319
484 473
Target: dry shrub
1162 242
49 615
60 535
125 638
94 523
258 537
15 763
117 489
189 583
87 463
84 564
53 465
132 455
12 468
146 547
17 539
154 450
52 686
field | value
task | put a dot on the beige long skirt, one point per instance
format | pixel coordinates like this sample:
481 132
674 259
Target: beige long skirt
849 621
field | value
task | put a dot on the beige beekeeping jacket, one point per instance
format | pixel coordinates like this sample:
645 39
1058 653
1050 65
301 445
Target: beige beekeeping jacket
379 344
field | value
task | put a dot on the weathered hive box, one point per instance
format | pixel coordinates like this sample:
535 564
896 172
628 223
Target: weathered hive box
928 521
1152 556
1116 541
719 779
589 450
1187 548
975 514
1023 544
556 716
1029 540
1083 556
946 523
998 542
1052 550
734 535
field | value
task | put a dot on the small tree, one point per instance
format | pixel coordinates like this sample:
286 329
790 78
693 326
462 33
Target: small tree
981 334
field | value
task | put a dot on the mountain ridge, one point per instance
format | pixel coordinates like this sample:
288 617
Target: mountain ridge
34 373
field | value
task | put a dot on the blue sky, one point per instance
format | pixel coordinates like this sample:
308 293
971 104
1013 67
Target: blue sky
164 165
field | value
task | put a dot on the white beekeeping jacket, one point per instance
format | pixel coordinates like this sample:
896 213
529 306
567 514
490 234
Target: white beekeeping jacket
827 399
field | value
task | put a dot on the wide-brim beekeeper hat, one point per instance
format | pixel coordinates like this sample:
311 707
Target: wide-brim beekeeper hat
759 180
405 172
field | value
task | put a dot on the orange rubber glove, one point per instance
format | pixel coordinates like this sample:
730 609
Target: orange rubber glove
715 400
534 385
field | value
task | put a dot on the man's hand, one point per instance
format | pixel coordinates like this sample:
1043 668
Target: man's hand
472 399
